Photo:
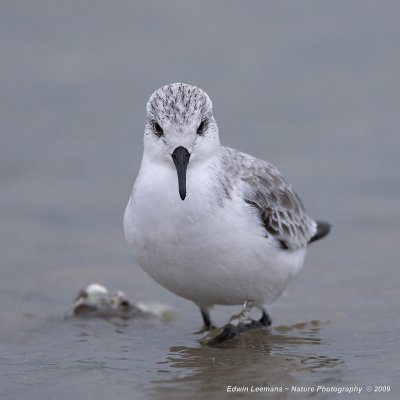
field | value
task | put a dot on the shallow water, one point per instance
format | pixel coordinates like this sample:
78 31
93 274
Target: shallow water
313 89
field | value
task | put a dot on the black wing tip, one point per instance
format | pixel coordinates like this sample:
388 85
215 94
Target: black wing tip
323 228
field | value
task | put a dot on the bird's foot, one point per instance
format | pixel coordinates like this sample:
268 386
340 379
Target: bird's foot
238 323
207 324
265 319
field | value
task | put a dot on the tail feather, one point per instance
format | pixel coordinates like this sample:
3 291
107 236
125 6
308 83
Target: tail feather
323 228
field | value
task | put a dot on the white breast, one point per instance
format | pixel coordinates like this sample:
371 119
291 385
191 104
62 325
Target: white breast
201 249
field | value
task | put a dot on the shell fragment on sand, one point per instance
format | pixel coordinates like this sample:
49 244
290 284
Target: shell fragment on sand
95 300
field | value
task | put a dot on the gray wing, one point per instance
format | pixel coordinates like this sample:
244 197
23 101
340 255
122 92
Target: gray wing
280 208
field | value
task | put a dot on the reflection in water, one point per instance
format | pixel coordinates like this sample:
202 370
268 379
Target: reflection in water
273 357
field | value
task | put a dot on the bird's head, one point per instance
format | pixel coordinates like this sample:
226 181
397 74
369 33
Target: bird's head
180 129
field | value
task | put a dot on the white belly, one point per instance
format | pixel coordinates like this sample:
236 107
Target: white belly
210 255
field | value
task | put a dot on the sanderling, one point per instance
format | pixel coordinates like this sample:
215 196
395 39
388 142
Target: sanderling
209 223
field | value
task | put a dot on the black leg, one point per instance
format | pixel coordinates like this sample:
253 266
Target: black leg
207 324
265 318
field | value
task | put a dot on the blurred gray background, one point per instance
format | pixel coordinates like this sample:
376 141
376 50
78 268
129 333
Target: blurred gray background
311 86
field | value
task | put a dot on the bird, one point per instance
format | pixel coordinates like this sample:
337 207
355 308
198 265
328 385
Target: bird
211 224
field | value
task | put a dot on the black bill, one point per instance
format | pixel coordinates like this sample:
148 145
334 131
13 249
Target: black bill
181 160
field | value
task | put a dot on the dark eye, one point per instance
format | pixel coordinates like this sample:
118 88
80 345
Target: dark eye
157 129
202 127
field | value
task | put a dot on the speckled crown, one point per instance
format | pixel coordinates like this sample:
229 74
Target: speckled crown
179 103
